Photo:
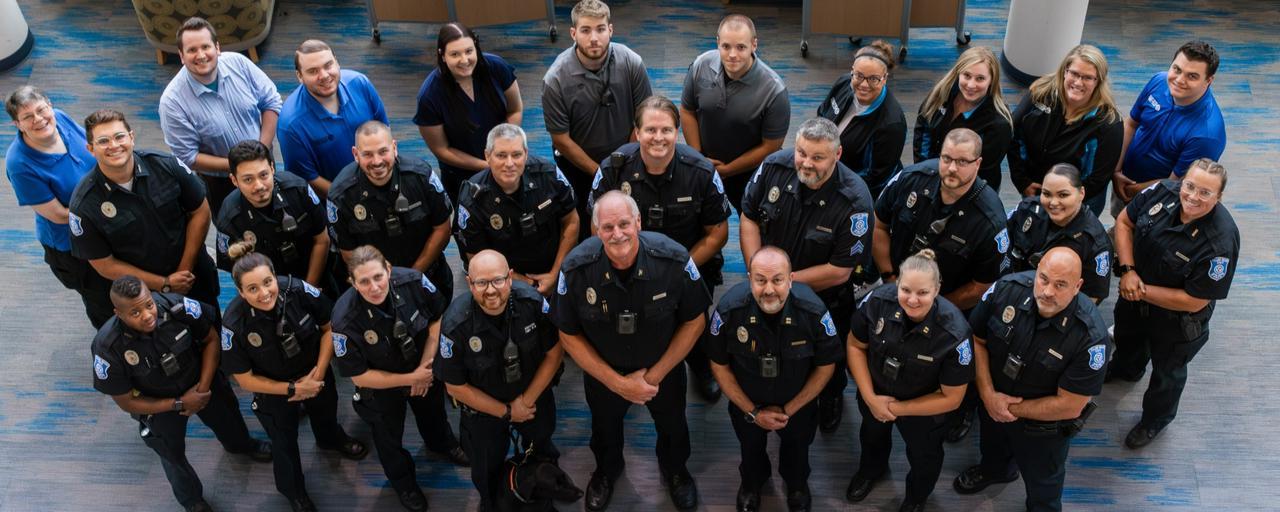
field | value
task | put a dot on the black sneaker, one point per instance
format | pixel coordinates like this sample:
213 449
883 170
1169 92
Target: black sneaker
683 490
973 480
413 500
1140 436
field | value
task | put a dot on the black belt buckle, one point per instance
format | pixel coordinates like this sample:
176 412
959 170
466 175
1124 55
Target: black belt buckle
169 363
769 366
290 346
511 362
1013 367
528 224
656 215
892 366
394 228
626 323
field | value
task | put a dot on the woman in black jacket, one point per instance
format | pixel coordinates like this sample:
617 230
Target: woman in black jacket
872 126
967 97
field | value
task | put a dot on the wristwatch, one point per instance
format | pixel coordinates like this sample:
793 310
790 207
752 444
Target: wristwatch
751 416
1123 269
177 405
507 415
165 287
292 390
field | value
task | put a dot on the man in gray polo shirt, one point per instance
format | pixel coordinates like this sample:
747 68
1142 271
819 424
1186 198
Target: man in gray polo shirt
734 108
589 96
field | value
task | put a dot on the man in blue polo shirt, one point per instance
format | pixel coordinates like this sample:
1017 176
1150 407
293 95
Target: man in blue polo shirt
319 120
1174 122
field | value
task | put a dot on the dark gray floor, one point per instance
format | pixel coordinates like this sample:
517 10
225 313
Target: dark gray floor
66 447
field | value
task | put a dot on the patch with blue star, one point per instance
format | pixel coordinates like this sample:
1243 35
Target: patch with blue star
858 224
1097 356
1218 268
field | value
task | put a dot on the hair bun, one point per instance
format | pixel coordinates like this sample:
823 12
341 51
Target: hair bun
927 254
239 249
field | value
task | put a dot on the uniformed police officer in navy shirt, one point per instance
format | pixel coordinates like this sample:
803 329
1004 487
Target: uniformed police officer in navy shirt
1176 253
385 331
773 347
521 206
158 359
1040 352
912 369
396 205
629 306
278 213
276 344
807 203
499 356
141 213
680 195
1056 217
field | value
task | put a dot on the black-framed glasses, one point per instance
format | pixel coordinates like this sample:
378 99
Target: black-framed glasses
497 282
872 80
948 160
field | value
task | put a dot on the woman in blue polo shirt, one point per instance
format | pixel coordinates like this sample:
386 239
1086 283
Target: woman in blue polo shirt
467 94
44 163
870 120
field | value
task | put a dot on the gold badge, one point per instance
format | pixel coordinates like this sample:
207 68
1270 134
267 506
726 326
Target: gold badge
131 357
1008 314
495 221
475 344
911 199
879 325
371 337
255 339
742 334
774 194
250 237
360 212
626 187
109 210
591 296
1154 209
1026 225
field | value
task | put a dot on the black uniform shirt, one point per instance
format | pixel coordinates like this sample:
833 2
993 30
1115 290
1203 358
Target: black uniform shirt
361 212
934 353
994 130
1042 138
124 359
363 334
1032 233
679 203
973 242
664 291
872 143
289 251
473 347
490 219
830 225
1069 350
1199 258
145 227
252 340
801 337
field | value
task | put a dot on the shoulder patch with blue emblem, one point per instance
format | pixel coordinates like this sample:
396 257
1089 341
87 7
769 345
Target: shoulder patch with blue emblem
227 335
1218 268
990 289
339 344
715 180
100 367
224 241
562 178
1097 356
858 224
828 325
436 183
716 323
1002 241
331 210
74 221
893 179
192 307
546 306
595 181
446 347
311 290
427 284
311 193
1102 263
561 286
756 176
965 351
692 270
463 216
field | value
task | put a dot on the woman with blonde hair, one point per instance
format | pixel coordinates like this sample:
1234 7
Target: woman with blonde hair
968 96
1068 117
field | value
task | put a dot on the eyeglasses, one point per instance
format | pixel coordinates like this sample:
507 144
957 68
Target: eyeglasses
1088 79
497 282
39 112
947 161
872 80
118 138
1204 194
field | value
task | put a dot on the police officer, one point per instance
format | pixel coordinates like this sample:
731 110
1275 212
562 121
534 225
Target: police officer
679 194
629 307
499 355
912 369
385 331
276 343
158 359
397 206
520 206
944 205
278 213
807 203
1040 353
1054 218
1176 253
773 347
141 213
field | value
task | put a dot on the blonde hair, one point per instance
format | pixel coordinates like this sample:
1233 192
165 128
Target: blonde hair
923 261
1047 90
589 9
937 98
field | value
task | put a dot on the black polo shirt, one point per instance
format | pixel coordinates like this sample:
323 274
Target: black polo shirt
473 344
125 359
927 355
661 291
363 333
872 143
970 247
994 130
361 212
289 250
1069 350
801 337
680 203
1042 138
145 227
525 225
252 340
1032 233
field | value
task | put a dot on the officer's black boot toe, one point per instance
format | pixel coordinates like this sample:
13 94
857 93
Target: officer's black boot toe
706 385
199 506
1140 436
748 499
973 480
302 503
911 506
457 456
350 448
413 500
683 491
799 500
830 411
960 430
599 491
859 488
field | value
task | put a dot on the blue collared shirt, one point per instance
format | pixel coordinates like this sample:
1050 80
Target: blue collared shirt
315 143
39 177
1170 137
196 119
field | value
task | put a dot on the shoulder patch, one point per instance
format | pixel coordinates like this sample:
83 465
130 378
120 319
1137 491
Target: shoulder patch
224 241
858 224
311 290
857 248
715 180
893 179
1009 214
692 269
561 286
990 289
562 178
427 284
463 216
446 347
546 306
716 323
331 210
311 193
1097 356
1002 241
192 307
227 335
756 177
100 367
595 181
828 325
1102 263
339 344
436 183
1218 268
965 351
74 221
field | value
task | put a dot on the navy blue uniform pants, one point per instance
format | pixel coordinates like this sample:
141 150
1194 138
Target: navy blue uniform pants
793 452
1144 333
487 441
608 410
384 411
923 437
1040 455
279 417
